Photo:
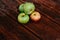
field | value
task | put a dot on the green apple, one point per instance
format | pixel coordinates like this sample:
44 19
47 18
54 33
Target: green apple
21 9
29 7
35 16
23 18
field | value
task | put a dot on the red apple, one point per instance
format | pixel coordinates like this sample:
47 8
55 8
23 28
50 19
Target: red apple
35 16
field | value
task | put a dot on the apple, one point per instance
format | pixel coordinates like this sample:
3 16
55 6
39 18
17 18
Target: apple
23 18
35 16
21 9
29 8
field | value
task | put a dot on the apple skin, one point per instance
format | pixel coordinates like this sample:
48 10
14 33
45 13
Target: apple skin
22 18
29 8
35 16
21 8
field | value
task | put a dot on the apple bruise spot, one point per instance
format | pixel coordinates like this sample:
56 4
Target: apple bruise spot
30 10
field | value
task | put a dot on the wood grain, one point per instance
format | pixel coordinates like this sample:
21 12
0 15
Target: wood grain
48 28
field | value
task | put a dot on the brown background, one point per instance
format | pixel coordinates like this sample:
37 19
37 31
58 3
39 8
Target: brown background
47 28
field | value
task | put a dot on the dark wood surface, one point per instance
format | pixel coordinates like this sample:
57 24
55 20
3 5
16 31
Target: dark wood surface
48 28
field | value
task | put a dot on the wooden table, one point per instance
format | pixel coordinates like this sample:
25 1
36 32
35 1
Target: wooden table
48 28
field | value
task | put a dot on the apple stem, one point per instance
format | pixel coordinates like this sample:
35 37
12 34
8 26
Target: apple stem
35 14
23 15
